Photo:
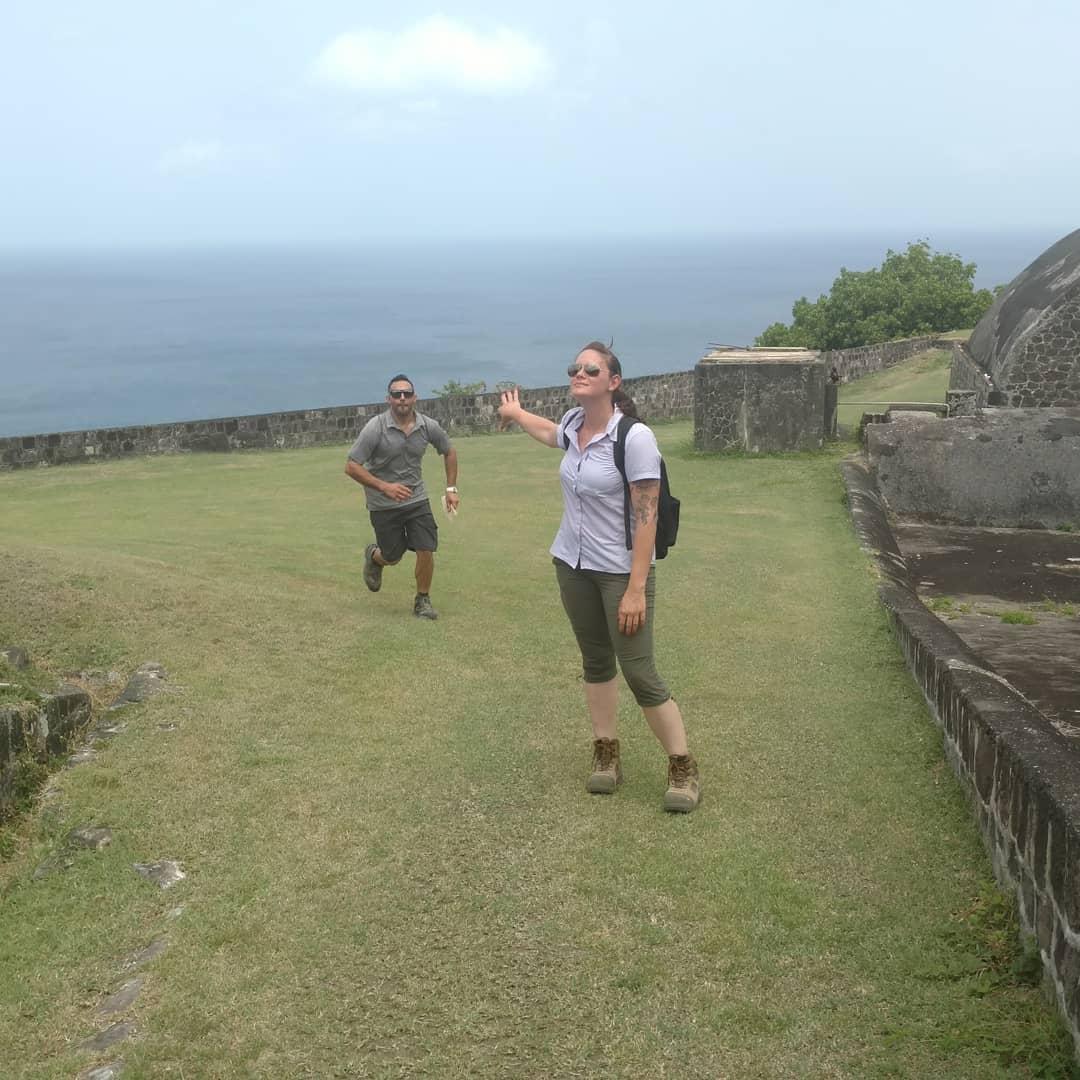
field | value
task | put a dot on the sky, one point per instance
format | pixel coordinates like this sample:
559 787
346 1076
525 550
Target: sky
126 123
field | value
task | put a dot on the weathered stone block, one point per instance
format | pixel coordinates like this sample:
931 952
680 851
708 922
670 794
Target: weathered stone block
1003 791
1029 902
66 713
985 757
1055 869
14 657
759 401
1067 967
1070 903
1045 927
1040 836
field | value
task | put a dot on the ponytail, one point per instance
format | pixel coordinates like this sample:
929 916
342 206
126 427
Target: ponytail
624 403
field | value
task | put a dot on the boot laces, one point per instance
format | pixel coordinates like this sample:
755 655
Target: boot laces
679 771
604 755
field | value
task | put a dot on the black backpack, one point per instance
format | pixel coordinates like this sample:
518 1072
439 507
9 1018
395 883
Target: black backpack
667 511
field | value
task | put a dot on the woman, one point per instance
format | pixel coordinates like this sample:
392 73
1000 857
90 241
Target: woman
608 591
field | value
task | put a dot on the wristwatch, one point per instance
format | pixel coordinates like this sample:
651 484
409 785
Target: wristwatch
452 489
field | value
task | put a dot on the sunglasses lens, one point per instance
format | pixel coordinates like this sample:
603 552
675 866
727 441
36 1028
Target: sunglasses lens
592 369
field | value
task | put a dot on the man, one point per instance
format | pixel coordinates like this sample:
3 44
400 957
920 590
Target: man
386 459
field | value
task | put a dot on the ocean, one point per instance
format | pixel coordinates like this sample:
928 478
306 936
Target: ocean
96 339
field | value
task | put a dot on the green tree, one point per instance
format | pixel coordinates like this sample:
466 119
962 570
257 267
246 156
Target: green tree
453 388
917 291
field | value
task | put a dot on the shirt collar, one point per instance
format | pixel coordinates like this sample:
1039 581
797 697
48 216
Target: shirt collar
391 422
575 424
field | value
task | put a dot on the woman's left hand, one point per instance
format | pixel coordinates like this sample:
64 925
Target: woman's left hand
632 611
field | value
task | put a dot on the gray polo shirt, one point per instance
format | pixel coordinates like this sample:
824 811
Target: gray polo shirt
592 534
391 455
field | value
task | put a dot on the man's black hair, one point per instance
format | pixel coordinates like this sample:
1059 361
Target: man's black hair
401 378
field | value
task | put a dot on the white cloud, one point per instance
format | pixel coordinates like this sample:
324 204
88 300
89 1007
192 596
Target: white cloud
435 53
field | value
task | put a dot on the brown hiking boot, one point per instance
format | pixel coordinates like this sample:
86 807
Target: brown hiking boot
422 608
684 788
372 570
606 770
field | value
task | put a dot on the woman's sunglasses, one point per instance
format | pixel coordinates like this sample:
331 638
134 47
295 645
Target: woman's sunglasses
592 370
400 394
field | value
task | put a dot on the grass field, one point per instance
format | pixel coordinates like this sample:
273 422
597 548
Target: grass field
922 378
393 867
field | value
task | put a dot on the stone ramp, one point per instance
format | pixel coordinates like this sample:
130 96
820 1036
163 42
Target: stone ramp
985 574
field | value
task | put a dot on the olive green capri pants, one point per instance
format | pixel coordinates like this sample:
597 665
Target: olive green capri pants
591 599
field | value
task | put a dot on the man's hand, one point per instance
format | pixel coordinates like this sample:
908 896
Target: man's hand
632 611
510 409
397 492
452 500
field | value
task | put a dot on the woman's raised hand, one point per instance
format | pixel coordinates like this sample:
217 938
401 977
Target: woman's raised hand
510 409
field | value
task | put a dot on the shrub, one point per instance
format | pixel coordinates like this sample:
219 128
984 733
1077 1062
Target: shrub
917 291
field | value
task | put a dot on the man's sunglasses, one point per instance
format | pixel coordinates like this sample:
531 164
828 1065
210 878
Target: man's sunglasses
400 394
592 370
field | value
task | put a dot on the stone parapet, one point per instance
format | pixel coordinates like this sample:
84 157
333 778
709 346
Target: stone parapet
1010 468
658 397
867 359
1021 774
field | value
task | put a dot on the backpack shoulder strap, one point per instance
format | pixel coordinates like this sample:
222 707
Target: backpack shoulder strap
625 424
619 454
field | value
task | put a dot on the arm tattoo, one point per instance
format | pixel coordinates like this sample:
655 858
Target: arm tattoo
644 498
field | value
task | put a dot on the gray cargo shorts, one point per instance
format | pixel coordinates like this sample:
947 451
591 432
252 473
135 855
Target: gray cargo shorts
405 528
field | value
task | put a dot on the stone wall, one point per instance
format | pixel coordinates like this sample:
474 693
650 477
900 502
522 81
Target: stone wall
1009 468
1022 775
867 359
658 397
965 374
1045 370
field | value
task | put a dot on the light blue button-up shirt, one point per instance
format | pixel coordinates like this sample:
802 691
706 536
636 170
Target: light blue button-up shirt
592 534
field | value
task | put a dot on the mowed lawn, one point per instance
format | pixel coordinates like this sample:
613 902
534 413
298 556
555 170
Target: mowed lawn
923 378
393 868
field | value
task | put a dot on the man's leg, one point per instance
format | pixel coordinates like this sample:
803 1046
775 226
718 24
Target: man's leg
423 536
425 571
389 537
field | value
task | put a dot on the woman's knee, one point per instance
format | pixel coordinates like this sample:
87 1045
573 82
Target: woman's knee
598 669
646 685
